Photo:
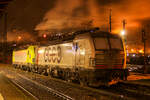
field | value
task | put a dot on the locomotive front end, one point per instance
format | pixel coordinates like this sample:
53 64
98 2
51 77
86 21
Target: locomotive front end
110 59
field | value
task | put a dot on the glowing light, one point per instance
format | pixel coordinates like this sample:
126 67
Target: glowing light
127 54
133 55
123 32
41 51
19 37
132 50
44 35
141 51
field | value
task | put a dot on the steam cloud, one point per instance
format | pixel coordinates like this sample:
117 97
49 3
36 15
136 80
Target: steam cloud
30 16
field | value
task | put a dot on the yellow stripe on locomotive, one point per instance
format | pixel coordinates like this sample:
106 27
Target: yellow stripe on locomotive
31 55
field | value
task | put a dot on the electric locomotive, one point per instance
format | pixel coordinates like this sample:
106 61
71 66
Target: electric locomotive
89 57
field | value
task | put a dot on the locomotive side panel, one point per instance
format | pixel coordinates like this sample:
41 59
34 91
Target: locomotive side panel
24 59
67 55
40 56
56 55
20 57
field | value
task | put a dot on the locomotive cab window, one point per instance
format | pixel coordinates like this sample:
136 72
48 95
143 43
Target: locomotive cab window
116 43
101 43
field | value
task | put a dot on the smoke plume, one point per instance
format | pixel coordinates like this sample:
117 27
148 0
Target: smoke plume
33 16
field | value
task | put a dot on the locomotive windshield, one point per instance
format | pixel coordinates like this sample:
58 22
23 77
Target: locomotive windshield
116 43
102 43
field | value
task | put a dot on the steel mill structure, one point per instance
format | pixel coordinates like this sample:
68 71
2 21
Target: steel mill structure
91 57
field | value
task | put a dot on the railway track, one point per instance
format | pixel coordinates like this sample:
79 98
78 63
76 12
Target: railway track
60 89
89 93
140 88
137 91
36 90
21 87
52 91
39 91
71 91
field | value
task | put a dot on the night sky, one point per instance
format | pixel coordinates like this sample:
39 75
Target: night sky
27 16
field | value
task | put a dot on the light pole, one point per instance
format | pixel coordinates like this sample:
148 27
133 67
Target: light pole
144 41
123 32
110 22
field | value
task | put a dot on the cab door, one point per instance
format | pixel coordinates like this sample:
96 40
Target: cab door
80 53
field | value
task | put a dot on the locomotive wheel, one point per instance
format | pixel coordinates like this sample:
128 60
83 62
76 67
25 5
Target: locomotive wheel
83 82
45 72
69 80
52 73
67 77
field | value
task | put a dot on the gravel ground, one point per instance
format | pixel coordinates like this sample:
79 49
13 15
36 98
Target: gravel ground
10 91
73 90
